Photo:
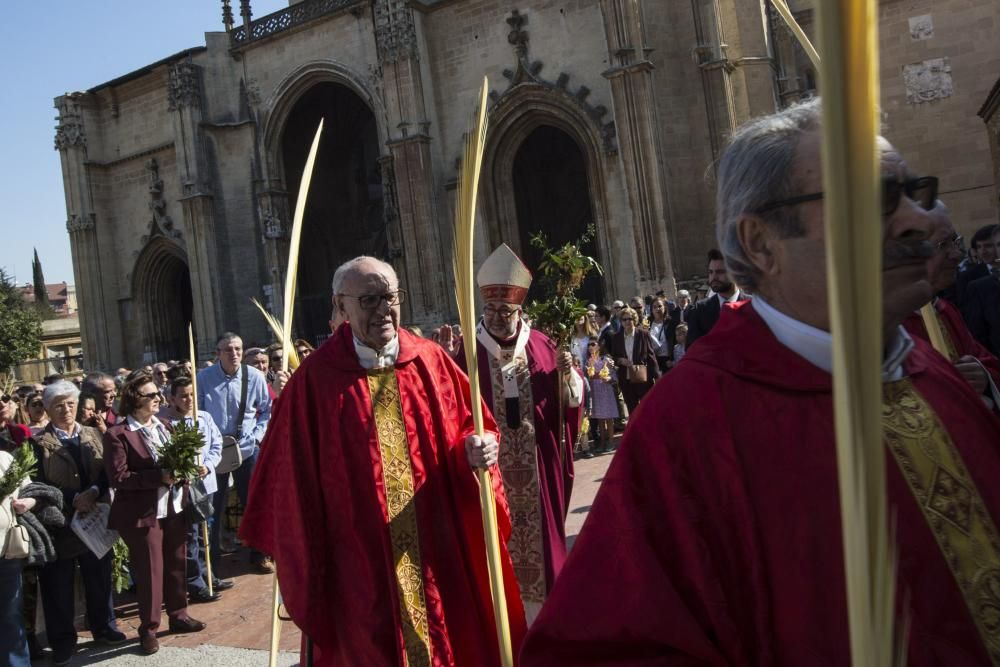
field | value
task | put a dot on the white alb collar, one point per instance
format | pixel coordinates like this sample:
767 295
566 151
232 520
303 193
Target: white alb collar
370 358
816 346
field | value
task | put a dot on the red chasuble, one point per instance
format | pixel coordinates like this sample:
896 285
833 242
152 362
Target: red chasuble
715 538
554 463
321 498
955 329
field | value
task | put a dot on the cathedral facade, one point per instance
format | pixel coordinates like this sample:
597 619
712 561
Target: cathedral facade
181 178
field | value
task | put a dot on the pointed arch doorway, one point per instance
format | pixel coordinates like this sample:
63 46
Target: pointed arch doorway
344 216
551 195
166 306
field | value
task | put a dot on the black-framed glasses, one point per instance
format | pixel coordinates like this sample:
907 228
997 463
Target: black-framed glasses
921 190
151 395
504 313
591 344
6 398
372 301
956 242
627 319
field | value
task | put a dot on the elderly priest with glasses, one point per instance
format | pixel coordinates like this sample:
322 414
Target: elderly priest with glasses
717 530
519 374
366 497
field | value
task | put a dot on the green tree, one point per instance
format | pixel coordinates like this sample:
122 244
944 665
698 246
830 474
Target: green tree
38 279
20 326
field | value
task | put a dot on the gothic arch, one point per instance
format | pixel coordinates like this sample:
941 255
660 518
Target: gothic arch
161 289
520 111
287 93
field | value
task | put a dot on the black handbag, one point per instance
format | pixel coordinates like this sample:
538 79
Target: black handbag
200 505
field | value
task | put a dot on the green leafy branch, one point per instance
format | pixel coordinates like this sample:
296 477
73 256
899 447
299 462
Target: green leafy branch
563 272
21 468
179 456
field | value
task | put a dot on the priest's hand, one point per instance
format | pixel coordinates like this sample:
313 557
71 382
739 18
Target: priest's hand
446 338
564 362
973 372
482 452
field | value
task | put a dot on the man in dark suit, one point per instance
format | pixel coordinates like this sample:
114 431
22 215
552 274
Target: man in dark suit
984 251
981 305
705 313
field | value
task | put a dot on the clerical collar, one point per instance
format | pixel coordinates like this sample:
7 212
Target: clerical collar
816 346
370 358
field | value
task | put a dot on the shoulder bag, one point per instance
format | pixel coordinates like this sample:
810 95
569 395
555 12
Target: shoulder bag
232 457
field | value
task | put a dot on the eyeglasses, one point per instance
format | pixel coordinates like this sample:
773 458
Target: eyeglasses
591 344
504 313
153 395
6 398
36 404
922 190
373 301
627 319
956 242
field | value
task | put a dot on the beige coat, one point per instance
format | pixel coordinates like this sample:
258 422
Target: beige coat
6 504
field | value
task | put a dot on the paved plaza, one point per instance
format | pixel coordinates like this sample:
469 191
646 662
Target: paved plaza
238 631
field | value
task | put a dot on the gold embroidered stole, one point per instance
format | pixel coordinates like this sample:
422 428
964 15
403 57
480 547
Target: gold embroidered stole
519 469
949 501
950 351
397 475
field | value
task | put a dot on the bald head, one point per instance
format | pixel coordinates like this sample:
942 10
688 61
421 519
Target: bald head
366 293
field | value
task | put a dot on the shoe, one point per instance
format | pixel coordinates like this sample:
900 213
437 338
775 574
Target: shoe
63 656
150 644
204 596
186 624
111 638
265 566
589 454
222 584
34 648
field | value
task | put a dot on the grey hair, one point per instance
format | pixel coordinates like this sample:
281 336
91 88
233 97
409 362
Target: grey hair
755 169
352 265
60 389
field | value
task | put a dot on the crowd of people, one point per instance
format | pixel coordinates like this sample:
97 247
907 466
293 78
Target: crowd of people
716 531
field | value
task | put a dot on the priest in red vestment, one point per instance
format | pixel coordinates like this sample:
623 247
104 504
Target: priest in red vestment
971 359
366 498
715 538
519 378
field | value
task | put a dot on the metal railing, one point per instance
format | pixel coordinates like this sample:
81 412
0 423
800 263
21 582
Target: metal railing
284 19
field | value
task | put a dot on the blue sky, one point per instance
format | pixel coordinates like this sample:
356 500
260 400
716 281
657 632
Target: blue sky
50 47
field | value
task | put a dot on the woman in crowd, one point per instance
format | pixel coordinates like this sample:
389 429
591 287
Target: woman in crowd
13 640
88 415
37 418
147 511
12 432
634 352
303 348
71 458
681 346
583 331
659 329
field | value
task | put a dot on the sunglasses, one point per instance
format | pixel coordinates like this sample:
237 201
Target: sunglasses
591 344
151 395
6 398
921 190
627 319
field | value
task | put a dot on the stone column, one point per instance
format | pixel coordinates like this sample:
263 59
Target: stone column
639 141
184 99
421 265
95 311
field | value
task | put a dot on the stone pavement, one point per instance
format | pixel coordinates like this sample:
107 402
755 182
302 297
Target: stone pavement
238 632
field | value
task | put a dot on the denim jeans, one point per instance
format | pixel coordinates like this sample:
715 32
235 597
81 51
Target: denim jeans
13 640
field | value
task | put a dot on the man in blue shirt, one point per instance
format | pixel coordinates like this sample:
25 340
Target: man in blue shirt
219 393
